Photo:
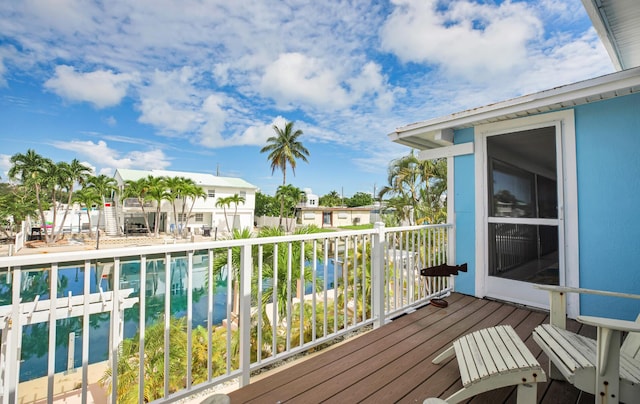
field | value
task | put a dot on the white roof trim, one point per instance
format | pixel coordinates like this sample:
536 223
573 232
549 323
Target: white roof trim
600 25
422 135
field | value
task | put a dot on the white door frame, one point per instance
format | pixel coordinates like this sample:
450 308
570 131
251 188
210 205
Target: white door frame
567 203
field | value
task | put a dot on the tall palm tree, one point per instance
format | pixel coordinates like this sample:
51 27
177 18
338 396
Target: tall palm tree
33 171
156 192
284 149
224 203
87 197
137 189
103 186
177 191
192 192
72 173
236 200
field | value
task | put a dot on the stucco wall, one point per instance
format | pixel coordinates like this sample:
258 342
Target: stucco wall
608 159
464 198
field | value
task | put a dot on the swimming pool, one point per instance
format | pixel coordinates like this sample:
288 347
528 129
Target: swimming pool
34 352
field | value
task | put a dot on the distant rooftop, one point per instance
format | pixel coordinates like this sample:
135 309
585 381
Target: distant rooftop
201 179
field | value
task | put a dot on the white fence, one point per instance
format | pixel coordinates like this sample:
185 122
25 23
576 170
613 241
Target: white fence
201 314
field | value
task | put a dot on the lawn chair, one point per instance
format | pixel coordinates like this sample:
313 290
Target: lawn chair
601 367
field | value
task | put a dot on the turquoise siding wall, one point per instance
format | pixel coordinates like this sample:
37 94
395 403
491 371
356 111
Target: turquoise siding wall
608 158
464 186
608 164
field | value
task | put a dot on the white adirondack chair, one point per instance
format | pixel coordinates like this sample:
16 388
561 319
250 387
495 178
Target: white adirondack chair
601 367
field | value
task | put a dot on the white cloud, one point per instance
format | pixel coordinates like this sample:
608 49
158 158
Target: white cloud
170 102
294 79
467 39
101 155
5 165
3 70
213 73
102 88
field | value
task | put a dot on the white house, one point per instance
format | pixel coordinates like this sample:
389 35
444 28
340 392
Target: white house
205 216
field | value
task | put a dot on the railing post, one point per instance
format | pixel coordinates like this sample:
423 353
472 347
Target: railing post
378 278
244 322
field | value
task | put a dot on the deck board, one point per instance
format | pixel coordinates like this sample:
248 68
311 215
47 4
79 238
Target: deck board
392 364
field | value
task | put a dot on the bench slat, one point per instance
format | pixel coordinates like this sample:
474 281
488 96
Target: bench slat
489 366
577 354
497 363
466 362
564 344
513 348
509 363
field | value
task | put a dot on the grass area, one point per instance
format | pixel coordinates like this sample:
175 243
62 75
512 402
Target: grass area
358 227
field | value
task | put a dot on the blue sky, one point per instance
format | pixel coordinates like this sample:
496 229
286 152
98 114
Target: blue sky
196 85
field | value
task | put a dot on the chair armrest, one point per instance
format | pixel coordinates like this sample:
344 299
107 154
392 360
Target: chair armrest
567 289
610 323
608 343
558 300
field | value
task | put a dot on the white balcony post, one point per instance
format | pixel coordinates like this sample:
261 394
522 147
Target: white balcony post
378 278
244 322
11 372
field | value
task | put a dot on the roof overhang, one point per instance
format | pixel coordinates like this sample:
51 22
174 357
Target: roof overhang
438 132
617 23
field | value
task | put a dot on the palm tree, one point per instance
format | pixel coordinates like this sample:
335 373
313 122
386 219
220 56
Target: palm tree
178 189
137 189
420 183
153 362
284 149
33 171
224 203
17 204
333 198
236 200
192 191
87 197
157 192
289 196
104 186
286 291
72 173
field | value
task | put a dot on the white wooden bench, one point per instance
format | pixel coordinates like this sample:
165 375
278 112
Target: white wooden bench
492 358
602 367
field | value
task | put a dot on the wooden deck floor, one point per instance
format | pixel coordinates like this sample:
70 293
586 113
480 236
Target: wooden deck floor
392 364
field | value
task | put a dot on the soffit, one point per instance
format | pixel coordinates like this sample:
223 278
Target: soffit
618 25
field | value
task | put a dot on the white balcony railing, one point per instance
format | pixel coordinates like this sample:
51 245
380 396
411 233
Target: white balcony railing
201 313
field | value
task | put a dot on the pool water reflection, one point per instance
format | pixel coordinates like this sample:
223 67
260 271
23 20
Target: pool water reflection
34 352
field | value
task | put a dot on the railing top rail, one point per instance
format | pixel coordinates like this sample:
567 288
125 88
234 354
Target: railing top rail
110 253
418 227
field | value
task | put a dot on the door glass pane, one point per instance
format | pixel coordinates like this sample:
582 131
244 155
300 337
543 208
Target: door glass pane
513 191
522 174
522 184
524 252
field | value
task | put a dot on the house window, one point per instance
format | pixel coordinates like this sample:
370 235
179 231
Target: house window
243 194
199 217
182 217
211 193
